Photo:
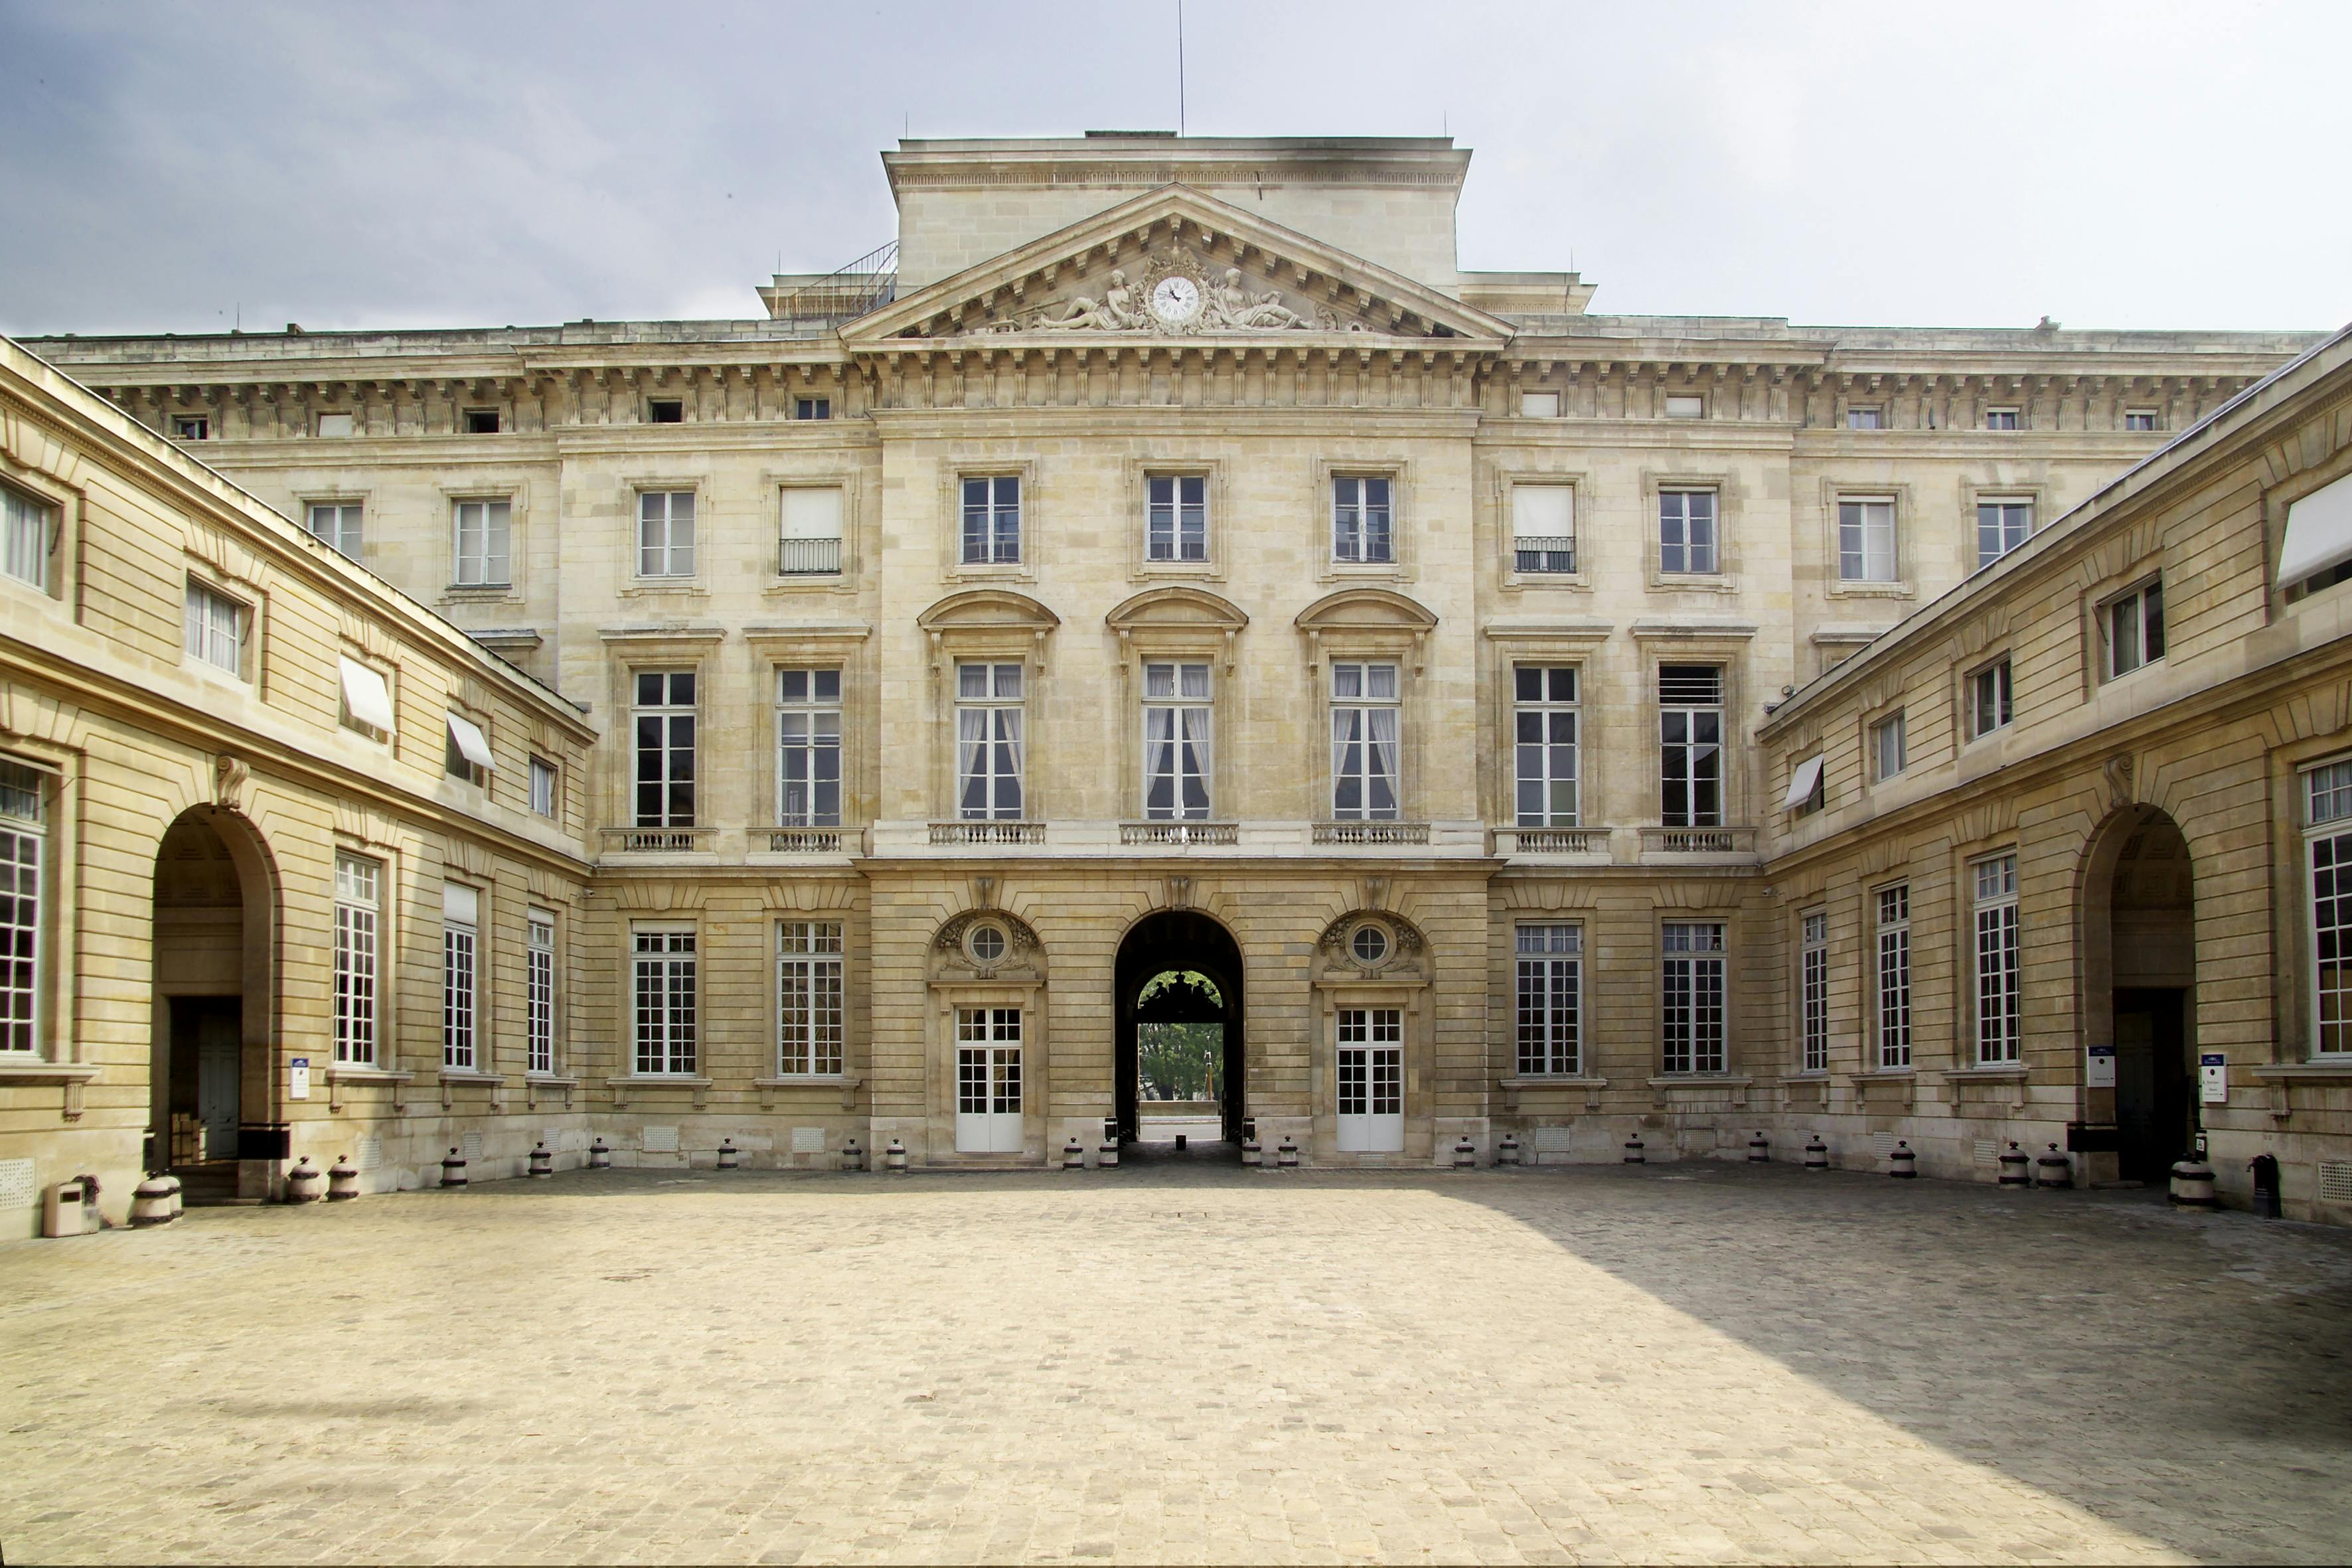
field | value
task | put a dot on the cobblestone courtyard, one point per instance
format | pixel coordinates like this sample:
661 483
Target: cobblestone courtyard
1184 1363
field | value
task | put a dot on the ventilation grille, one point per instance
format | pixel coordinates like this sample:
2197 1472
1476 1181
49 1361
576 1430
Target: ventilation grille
1988 1151
17 1188
2335 1181
1882 1144
661 1140
371 1152
1553 1140
808 1140
470 1146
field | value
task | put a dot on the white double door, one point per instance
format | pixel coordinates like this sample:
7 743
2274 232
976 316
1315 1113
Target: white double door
1372 1080
988 1081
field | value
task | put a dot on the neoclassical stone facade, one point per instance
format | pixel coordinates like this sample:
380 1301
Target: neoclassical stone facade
1177 561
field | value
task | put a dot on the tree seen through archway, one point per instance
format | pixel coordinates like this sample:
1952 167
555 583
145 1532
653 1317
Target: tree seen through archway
1178 1055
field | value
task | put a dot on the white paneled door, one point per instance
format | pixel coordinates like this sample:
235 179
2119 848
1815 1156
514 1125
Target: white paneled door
988 1081
1371 1080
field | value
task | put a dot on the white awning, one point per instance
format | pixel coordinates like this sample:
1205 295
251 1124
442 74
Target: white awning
367 697
461 904
2318 533
472 744
1543 512
1802 783
813 511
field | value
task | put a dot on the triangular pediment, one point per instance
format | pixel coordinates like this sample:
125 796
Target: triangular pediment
1175 265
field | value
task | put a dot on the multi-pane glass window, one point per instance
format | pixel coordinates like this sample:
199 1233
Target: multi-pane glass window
191 427
1544 717
1690 745
2139 419
1364 729
808 997
991 520
461 908
1988 699
216 629
663 990
1361 520
1813 992
2329 824
665 723
988 1062
808 748
2001 527
1551 1000
538 992
1894 977
2004 419
988 715
1866 541
2134 626
1687 533
1372 1061
1176 517
23 537
484 533
812 408
1865 419
358 925
337 524
1543 528
1998 995
543 779
1692 991
21 837
666 533
1176 742
1887 747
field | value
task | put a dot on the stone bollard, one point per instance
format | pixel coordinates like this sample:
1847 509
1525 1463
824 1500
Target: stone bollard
1506 1153
1817 1153
2016 1167
1635 1154
1252 1155
1286 1154
2053 1170
342 1180
542 1160
150 1203
303 1181
179 1198
1074 1156
600 1158
453 1171
2192 1184
1107 1157
853 1158
1759 1149
894 1158
730 1158
1902 1164
1465 1153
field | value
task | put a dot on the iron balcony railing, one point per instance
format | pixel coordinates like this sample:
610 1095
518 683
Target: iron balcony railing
1544 553
866 284
808 558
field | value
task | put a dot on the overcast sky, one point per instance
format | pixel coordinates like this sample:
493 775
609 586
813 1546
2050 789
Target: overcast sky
2131 164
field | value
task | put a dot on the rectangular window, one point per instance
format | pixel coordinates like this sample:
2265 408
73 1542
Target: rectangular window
337 524
1361 519
1685 405
1176 517
664 993
1177 719
1808 790
1692 988
191 427
21 951
2004 419
483 533
988 714
1813 992
2329 805
1545 716
665 723
666 533
1540 405
1998 995
812 408
468 754
1866 541
1543 528
2140 420
359 916
1988 699
336 424
1887 755
543 779
810 543
808 748
482 422
1551 1000
538 992
23 537
2133 625
216 629
808 997
1894 977
1865 419
666 411
1690 745
2001 527
1365 717
1686 535
992 520
461 908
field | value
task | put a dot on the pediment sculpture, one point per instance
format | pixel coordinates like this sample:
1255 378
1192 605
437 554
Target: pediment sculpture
1177 292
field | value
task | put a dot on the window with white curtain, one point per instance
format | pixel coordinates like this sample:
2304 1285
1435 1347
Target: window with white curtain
1365 717
337 524
483 532
1543 528
1686 534
989 713
1544 715
1866 541
991 520
1176 517
1176 730
2001 527
1362 520
808 748
216 629
23 537
810 543
666 533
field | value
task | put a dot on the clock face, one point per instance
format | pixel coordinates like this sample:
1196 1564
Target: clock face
1176 299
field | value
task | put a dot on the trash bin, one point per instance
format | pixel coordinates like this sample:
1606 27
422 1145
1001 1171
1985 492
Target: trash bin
61 1209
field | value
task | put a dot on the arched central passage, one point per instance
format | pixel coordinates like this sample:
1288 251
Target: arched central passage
1174 943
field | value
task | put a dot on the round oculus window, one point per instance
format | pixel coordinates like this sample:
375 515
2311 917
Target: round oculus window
1371 944
987 943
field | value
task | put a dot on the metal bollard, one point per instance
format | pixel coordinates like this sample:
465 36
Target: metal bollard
342 1180
2016 1167
1635 1154
150 1203
453 1171
1286 1154
1902 1164
894 1158
1506 1153
730 1158
542 1160
2053 1170
1817 1153
1074 1156
1759 1149
600 1158
303 1181
853 1158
